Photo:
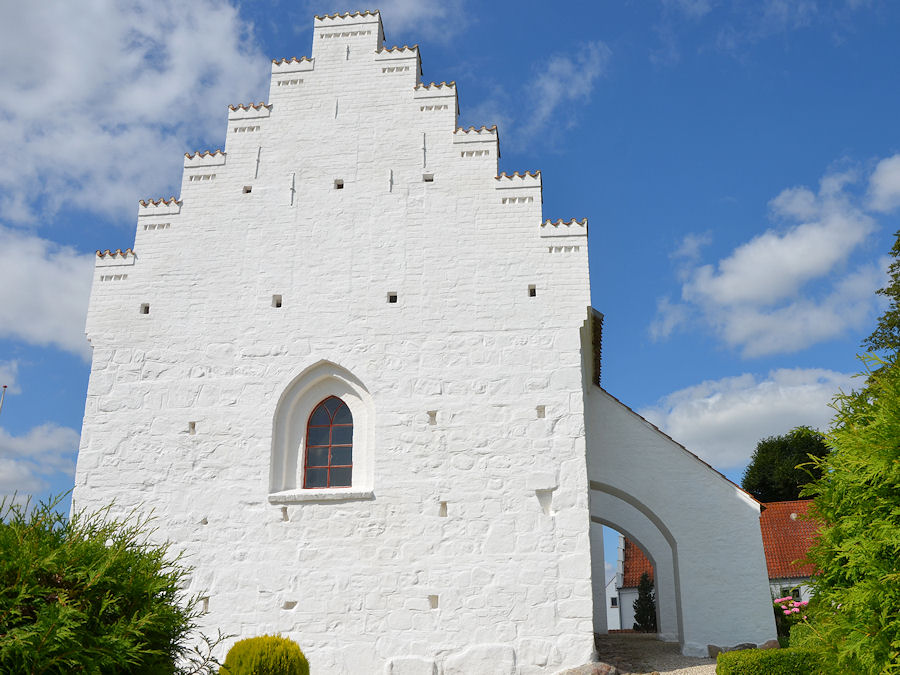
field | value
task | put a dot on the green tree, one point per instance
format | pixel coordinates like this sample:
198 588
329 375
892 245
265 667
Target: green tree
855 612
645 606
90 594
886 336
773 474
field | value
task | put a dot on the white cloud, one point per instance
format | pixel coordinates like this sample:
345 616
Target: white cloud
99 99
692 8
722 420
44 292
774 265
546 100
9 370
786 288
884 185
27 461
432 19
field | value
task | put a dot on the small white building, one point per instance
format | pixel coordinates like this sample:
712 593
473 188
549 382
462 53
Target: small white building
355 373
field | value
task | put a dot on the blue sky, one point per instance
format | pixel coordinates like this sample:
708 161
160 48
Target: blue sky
739 163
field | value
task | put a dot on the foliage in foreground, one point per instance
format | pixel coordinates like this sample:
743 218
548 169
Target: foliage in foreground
770 662
91 594
773 474
855 611
645 606
265 655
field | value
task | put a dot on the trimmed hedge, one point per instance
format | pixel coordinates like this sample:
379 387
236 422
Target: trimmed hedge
770 662
265 655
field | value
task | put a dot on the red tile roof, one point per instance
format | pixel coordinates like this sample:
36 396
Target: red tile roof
787 536
635 565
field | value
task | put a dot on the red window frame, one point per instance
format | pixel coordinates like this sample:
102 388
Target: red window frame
331 406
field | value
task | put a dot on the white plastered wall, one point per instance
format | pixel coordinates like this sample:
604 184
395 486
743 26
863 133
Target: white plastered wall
463 545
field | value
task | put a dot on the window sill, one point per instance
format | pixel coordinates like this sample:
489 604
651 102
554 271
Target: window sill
320 495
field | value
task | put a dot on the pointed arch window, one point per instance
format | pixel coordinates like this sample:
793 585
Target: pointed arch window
329 445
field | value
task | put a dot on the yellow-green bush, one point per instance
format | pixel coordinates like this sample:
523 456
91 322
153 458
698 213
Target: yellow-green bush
265 655
769 662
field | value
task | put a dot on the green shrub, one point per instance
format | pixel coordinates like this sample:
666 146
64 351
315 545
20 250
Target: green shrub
769 662
90 594
265 655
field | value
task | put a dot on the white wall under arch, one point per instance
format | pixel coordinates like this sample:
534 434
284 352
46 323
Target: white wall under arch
292 412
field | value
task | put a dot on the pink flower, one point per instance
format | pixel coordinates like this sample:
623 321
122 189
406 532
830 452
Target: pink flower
796 610
787 611
804 617
804 603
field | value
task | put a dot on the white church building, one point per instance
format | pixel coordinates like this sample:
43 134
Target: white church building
355 374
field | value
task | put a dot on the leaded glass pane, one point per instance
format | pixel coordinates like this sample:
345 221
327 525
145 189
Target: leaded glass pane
341 455
341 435
316 478
343 416
341 477
320 417
318 436
317 456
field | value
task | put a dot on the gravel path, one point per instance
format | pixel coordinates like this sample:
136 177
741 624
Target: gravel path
637 653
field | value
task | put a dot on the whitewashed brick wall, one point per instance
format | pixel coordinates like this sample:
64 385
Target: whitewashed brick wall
380 582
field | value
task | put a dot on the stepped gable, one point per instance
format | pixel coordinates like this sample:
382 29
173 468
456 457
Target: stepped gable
565 223
395 48
478 130
439 85
250 106
159 202
118 253
206 153
523 176
348 15
293 59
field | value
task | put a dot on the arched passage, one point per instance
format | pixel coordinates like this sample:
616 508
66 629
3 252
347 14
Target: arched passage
628 516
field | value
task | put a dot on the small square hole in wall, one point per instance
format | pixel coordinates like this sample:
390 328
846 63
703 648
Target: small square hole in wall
145 308
248 189
532 291
338 183
392 298
192 428
442 509
432 417
276 301
204 605
541 411
433 601
428 177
